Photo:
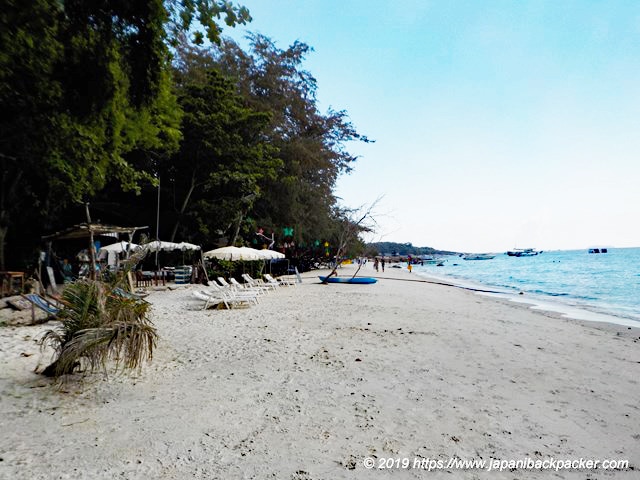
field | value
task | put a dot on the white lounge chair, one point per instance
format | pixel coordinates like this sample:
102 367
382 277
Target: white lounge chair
235 295
210 300
260 290
278 281
257 283
224 283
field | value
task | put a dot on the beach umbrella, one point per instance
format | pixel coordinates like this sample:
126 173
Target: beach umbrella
185 246
110 252
270 254
120 247
157 246
250 253
188 246
233 253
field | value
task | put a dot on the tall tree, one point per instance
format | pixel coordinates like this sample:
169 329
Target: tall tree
86 96
312 145
223 159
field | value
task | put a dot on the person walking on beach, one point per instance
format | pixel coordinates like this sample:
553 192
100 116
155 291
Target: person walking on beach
375 264
382 262
409 267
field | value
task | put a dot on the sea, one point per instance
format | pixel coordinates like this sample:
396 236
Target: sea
578 284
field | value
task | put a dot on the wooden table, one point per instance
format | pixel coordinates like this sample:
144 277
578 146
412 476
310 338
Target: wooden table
11 282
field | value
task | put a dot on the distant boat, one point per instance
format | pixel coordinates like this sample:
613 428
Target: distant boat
429 260
479 256
432 261
523 252
598 250
358 280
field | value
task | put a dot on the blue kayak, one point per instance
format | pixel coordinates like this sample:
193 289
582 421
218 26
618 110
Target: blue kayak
358 280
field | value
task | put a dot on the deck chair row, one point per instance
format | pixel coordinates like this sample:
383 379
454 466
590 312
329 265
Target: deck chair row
233 293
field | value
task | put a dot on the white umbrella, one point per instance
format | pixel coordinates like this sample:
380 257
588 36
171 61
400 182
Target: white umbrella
250 253
120 247
188 246
157 246
233 253
270 254
110 252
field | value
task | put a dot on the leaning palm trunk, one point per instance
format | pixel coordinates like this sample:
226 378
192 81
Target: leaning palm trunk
99 326
351 228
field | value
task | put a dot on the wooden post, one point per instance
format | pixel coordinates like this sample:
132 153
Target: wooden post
92 256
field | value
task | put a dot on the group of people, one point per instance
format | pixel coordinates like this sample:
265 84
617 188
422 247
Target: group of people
379 263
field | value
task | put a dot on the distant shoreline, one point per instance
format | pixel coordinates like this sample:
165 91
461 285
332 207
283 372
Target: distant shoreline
582 286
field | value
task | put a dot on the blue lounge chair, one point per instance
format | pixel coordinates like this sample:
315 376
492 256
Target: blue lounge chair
42 303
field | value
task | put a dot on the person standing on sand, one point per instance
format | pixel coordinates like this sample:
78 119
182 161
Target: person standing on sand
382 263
375 264
409 267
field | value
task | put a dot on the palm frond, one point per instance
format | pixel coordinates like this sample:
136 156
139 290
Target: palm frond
99 326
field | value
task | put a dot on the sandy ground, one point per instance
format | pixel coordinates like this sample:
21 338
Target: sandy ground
315 379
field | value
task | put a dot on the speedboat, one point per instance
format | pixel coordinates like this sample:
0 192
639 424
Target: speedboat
479 256
523 252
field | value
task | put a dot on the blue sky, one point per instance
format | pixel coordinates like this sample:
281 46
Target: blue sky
498 124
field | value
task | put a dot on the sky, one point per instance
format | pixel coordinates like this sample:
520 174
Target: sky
497 124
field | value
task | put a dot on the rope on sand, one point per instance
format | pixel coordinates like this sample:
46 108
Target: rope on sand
440 283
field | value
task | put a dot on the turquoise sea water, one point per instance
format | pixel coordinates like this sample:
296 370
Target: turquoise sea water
603 283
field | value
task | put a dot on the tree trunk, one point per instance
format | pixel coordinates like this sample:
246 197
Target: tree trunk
237 229
183 208
3 237
8 199
350 231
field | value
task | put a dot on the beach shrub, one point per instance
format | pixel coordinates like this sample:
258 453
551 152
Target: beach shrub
235 269
99 323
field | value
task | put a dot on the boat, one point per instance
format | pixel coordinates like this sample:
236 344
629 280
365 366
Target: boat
430 261
523 252
598 250
355 280
479 256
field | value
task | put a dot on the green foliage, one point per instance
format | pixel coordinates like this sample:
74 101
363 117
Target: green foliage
93 110
86 95
207 13
223 158
235 269
98 325
310 144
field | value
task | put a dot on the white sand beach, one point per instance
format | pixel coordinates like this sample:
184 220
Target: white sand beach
316 378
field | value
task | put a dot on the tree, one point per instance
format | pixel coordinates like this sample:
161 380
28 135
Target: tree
310 144
86 97
99 321
353 223
207 13
29 96
223 159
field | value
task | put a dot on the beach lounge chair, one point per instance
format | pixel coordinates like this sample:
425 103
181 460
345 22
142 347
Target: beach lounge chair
257 283
278 281
51 308
128 295
240 294
269 280
209 299
246 287
224 284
